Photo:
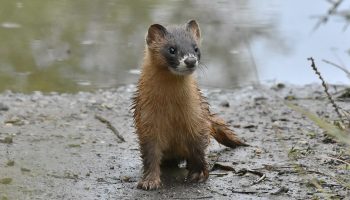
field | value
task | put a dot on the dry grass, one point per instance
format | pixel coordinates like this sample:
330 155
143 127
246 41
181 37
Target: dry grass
342 118
342 136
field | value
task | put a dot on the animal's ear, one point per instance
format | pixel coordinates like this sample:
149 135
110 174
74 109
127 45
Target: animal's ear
193 27
156 33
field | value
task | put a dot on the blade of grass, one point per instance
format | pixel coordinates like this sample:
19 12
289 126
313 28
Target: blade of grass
341 136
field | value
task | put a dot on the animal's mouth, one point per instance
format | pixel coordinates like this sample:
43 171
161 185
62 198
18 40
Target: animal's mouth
182 71
187 65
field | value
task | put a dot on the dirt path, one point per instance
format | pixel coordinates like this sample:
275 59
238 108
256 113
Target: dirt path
54 147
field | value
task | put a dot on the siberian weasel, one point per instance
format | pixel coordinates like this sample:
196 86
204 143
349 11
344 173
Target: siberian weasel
172 118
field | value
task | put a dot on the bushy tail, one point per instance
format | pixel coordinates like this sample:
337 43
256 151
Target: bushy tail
223 134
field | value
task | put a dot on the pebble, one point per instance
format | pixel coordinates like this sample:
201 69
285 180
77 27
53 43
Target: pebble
225 104
4 107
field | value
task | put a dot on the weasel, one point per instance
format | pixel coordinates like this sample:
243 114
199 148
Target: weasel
171 116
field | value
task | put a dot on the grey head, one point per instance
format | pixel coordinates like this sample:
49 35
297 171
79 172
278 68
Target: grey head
178 46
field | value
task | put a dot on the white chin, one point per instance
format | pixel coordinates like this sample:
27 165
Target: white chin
182 72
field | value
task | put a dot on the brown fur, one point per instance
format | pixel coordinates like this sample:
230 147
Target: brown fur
172 119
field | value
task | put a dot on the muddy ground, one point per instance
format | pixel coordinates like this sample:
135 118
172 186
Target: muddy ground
57 146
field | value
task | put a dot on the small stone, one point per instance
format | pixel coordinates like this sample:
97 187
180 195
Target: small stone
280 86
7 140
10 163
4 198
4 107
260 98
5 181
258 151
280 191
290 97
250 126
126 179
74 145
225 104
25 169
15 121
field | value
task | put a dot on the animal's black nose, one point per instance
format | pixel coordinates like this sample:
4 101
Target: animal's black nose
190 62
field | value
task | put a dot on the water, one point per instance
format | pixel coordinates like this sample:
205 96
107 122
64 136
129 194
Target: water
70 46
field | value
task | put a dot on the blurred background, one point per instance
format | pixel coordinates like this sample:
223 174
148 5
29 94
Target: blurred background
70 46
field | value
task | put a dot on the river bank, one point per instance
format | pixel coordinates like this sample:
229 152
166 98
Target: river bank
65 146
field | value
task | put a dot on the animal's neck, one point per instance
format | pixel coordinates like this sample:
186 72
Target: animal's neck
161 79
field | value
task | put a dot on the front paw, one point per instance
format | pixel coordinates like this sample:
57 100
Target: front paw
198 176
149 184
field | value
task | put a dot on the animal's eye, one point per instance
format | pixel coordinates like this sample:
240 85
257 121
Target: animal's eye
196 49
172 50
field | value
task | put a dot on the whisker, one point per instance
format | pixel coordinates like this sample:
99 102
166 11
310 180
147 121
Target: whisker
201 67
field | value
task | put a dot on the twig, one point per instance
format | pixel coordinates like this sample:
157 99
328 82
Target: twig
330 12
222 166
218 174
211 166
280 191
293 169
110 126
346 26
65 176
203 197
335 106
260 179
247 192
337 159
102 180
347 72
245 40
261 175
